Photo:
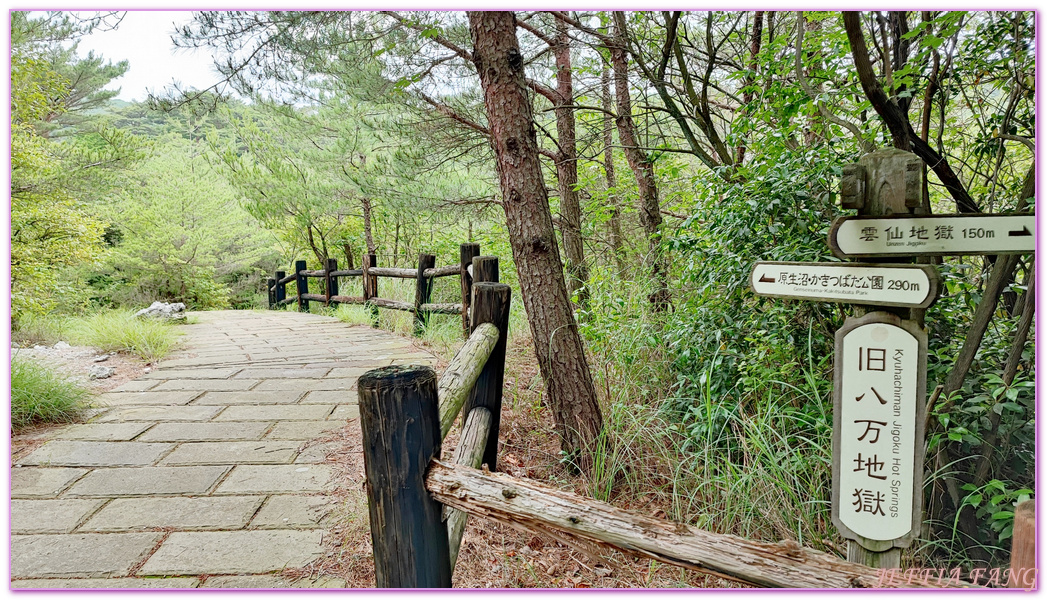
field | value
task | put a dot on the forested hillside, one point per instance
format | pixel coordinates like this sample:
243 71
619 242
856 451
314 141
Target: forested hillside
663 154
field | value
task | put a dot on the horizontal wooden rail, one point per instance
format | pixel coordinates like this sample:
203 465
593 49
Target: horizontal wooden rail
460 376
286 301
446 271
468 453
315 297
287 279
393 272
347 299
453 308
535 507
393 304
347 273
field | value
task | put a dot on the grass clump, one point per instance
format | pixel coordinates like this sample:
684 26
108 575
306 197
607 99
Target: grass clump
40 396
121 331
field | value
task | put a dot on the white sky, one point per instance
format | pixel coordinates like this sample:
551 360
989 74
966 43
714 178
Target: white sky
144 39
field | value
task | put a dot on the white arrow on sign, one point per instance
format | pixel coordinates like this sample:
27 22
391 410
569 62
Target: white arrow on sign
878 413
913 286
939 235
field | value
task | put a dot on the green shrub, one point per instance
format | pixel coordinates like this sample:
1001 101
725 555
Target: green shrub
120 331
40 396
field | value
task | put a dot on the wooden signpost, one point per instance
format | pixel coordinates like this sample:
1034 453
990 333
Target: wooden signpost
879 389
874 284
937 235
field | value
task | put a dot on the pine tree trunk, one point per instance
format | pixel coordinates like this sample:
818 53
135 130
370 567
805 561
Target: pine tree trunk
561 355
614 220
567 168
365 203
643 170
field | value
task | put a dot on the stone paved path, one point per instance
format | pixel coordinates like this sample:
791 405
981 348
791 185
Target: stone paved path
201 472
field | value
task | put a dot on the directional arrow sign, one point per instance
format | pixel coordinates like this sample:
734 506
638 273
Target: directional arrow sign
940 235
878 415
913 286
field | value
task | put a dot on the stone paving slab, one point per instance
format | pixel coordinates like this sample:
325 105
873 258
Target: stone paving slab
204 432
161 413
268 582
135 385
102 432
49 516
63 453
275 412
192 373
220 446
111 583
234 552
331 397
232 453
276 479
280 373
200 513
146 481
252 397
146 398
207 385
304 385
293 512
42 483
345 412
303 430
79 555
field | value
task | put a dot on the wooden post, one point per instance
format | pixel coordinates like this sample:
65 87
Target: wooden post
270 285
485 268
370 286
330 283
491 305
882 183
1023 547
423 292
303 285
281 288
401 434
466 253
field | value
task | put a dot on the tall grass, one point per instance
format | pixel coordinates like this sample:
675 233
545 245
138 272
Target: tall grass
111 331
121 331
40 396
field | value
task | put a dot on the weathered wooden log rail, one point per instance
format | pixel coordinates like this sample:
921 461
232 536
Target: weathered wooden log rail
419 505
486 268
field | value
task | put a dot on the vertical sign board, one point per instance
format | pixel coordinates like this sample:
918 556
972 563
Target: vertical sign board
878 418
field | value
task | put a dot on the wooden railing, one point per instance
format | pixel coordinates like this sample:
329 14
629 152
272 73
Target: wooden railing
418 502
471 268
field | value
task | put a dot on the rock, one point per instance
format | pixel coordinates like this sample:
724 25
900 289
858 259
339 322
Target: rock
61 346
100 372
101 358
15 345
163 311
39 347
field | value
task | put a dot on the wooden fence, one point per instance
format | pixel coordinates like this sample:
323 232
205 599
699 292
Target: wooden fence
471 268
419 501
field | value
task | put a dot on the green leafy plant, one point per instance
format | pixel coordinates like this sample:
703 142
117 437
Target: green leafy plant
39 395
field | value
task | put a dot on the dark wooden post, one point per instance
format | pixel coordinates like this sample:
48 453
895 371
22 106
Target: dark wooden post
281 288
466 253
370 286
302 282
1023 547
883 183
423 292
400 420
330 283
270 288
485 268
491 305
